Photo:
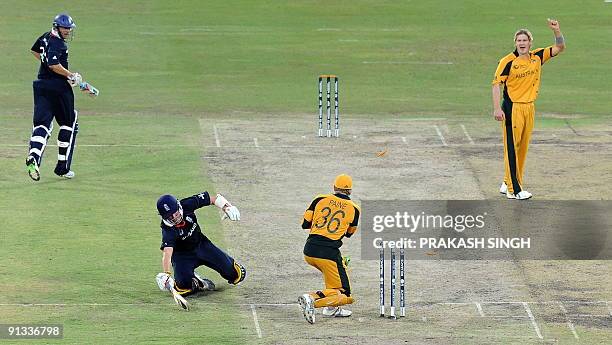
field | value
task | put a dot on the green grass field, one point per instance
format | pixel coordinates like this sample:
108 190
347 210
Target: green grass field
165 69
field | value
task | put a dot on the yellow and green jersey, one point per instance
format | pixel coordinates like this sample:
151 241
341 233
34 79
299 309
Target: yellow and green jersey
330 217
521 75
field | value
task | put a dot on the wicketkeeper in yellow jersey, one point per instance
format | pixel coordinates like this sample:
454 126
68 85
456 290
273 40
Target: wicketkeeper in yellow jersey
520 73
329 218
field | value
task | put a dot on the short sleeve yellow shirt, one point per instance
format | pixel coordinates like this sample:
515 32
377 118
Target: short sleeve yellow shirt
521 75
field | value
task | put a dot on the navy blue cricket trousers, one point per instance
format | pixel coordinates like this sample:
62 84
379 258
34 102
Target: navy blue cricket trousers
206 254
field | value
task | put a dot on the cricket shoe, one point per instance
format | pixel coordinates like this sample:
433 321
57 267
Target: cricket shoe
503 189
523 195
307 305
69 175
203 284
336 312
33 169
63 172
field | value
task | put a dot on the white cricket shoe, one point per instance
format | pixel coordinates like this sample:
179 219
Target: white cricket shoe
503 189
68 175
523 195
510 195
336 312
307 305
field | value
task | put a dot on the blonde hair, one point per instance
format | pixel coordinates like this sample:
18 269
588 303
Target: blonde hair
523 32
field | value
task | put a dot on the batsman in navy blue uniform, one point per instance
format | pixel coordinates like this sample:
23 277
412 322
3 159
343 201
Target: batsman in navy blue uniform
185 247
53 98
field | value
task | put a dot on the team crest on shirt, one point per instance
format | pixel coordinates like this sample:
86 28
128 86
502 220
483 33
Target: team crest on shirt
184 236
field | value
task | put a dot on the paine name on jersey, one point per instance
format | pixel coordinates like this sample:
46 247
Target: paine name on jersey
330 217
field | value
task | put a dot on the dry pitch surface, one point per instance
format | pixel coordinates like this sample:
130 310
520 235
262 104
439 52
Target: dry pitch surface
272 169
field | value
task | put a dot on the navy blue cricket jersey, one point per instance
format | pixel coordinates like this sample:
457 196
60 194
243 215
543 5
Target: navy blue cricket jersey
186 236
53 50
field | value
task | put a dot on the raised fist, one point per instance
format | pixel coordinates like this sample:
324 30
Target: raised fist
553 24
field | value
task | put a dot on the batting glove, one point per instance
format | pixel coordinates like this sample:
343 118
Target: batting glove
75 79
164 281
231 211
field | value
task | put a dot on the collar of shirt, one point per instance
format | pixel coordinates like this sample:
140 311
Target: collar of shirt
342 196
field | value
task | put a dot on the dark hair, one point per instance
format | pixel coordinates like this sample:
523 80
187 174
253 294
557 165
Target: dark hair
343 191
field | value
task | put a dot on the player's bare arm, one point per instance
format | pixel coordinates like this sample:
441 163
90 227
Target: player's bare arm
36 54
75 79
167 259
559 46
498 113
59 69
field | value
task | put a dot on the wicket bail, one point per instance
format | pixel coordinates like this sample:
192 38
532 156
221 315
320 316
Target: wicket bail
329 77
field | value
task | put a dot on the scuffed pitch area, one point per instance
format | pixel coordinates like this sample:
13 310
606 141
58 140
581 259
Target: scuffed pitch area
271 169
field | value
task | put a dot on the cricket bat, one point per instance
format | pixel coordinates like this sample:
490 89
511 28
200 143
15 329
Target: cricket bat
89 88
180 300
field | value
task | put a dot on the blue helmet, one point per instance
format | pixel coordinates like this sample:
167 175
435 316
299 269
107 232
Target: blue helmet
63 20
170 210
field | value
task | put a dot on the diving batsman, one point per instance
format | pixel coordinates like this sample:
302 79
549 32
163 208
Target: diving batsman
329 218
186 248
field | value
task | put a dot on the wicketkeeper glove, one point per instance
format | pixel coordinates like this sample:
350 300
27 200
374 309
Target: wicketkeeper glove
231 211
346 260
